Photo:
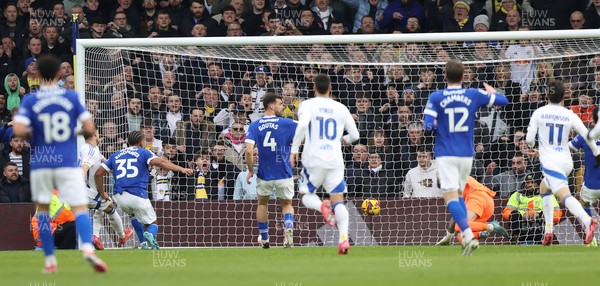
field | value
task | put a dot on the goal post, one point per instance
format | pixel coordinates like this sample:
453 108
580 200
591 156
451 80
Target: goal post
194 93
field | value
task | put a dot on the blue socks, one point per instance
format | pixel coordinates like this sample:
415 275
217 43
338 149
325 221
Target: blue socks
588 210
459 213
45 233
139 229
288 220
153 229
83 227
263 229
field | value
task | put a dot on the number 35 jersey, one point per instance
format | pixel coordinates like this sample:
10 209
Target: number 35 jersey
52 113
454 109
323 121
131 170
273 137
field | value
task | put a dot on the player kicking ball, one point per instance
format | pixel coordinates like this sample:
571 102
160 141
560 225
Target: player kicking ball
90 159
454 110
49 118
131 171
273 136
552 125
321 125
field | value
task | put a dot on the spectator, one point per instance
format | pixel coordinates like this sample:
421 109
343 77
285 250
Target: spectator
308 25
5 115
395 15
460 20
513 21
422 181
147 14
260 83
195 134
510 181
522 71
90 9
162 26
585 107
378 142
221 171
119 28
199 30
228 15
413 25
244 190
152 143
378 180
592 15
234 29
406 159
134 114
481 23
111 140
11 25
372 8
133 16
14 188
154 104
235 146
52 44
289 9
252 18
499 21
577 20
97 29
177 12
203 185
327 14
364 116
524 212
174 114
10 59
34 47
398 128
356 167
196 15
161 184
18 154
31 77
211 104
14 91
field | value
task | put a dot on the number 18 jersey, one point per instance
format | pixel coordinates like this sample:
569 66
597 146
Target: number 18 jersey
52 113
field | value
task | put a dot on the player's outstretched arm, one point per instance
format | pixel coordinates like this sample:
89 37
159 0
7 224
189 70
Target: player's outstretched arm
497 98
531 131
583 131
99 177
165 164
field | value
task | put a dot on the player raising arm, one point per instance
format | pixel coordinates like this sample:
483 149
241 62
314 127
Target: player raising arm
321 124
90 160
49 117
131 168
273 135
552 124
454 109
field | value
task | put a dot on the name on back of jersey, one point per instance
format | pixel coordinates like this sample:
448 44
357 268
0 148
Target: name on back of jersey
128 151
455 95
46 101
325 110
268 123
555 117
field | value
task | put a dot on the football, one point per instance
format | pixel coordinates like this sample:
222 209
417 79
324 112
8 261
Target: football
371 207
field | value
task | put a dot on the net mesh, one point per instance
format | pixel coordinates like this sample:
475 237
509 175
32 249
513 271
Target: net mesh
191 101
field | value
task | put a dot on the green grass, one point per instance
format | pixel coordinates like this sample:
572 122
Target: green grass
307 266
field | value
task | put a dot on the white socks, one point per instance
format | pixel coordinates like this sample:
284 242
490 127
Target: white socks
577 210
97 222
117 223
312 201
548 210
342 218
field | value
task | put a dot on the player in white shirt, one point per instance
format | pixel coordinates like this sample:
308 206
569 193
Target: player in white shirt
552 124
90 159
321 124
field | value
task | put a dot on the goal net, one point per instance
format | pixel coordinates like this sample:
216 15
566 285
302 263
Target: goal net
194 98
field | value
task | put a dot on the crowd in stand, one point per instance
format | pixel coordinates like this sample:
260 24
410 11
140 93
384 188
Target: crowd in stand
195 110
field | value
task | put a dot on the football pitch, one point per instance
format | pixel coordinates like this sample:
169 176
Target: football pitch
308 266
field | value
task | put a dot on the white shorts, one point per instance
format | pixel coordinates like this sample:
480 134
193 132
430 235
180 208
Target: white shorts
283 189
332 180
68 181
589 195
140 208
555 176
98 203
453 172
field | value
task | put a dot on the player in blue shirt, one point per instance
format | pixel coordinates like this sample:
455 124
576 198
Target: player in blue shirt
131 171
454 109
590 191
273 136
49 118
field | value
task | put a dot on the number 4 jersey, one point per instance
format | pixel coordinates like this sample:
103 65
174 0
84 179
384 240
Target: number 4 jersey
321 123
52 114
131 170
454 109
273 138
